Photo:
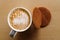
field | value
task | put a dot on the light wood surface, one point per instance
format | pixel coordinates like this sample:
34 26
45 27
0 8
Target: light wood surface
51 32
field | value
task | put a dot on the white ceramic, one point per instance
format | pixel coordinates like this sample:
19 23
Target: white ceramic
12 32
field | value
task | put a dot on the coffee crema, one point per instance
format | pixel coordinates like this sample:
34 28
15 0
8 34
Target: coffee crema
19 19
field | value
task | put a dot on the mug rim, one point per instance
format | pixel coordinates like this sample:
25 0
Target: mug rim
18 29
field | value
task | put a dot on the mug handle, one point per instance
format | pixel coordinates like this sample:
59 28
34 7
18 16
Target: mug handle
12 33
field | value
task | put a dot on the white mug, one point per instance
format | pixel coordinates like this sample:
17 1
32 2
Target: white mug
14 31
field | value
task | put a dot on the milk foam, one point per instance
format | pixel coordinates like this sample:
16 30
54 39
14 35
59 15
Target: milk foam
23 19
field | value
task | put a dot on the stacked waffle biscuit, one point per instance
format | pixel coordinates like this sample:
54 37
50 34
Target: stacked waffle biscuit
41 17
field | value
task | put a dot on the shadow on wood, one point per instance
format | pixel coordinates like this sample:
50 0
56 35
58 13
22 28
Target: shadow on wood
30 34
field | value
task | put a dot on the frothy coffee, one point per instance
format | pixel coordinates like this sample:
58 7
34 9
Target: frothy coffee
19 19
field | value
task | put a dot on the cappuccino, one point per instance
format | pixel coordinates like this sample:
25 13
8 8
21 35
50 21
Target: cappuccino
19 19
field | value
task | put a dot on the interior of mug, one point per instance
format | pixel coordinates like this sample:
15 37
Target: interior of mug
27 26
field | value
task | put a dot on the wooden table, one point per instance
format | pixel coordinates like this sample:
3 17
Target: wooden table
51 32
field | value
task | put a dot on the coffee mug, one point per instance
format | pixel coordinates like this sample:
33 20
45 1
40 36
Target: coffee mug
17 23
